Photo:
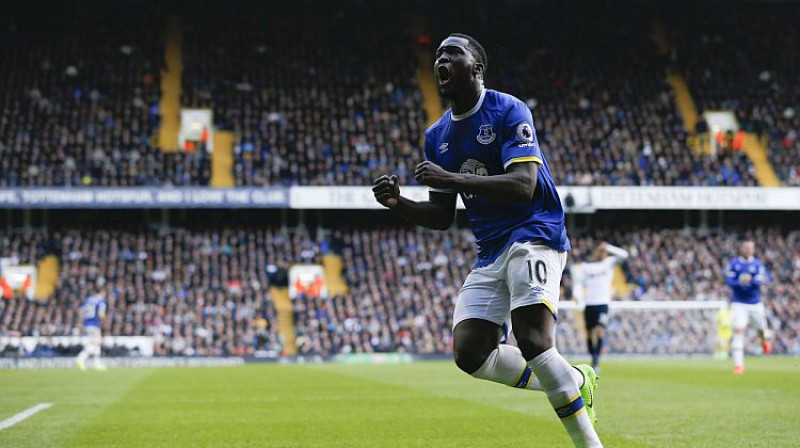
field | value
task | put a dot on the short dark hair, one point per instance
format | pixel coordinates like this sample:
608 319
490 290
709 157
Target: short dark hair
476 48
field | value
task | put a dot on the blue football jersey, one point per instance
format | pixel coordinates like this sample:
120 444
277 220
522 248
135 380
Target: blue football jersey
91 309
750 293
485 140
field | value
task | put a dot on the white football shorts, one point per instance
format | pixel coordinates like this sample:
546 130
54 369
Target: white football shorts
526 273
754 314
95 337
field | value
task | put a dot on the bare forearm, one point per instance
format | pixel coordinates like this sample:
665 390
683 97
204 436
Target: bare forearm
617 252
424 213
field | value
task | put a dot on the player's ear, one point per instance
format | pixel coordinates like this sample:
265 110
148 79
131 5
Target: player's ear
477 69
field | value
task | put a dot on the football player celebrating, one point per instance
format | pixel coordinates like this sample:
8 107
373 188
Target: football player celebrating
485 149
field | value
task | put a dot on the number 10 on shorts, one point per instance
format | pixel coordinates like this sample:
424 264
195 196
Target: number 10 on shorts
538 270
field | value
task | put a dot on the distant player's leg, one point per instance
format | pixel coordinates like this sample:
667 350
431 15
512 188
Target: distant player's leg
739 316
759 317
599 334
98 363
587 319
590 345
534 278
80 361
95 348
598 345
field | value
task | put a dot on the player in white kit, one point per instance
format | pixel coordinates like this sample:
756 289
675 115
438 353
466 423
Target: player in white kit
594 283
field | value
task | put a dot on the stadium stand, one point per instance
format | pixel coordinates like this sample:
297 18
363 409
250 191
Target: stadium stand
327 112
79 103
603 117
306 96
318 108
204 291
337 104
753 73
196 293
413 290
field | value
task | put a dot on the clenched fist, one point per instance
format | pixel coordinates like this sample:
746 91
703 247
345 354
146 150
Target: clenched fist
432 175
387 190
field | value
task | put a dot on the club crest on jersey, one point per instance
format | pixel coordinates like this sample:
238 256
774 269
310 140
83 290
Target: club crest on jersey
524 132
486 134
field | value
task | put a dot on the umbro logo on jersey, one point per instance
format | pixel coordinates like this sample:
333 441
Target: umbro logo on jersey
443 149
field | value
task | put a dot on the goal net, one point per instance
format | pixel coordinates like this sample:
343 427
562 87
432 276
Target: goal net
659 328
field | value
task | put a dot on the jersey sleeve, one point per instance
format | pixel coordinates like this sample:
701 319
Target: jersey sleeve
762 276
519 137
430 155
731 276
578 283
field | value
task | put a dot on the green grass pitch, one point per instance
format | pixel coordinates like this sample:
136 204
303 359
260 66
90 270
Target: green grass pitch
697 403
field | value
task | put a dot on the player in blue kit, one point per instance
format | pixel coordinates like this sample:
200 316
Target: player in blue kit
485 149
746 275
93 310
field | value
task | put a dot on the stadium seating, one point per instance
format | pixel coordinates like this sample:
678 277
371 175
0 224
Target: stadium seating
203 291
753 73
196 293
333 104
597 89
406 302
338 103
328 111
79 103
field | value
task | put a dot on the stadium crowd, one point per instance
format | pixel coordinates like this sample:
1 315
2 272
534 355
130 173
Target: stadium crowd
603 117
196 293
404 284
753 73
79 103
205 292
338 102
330 112
329 99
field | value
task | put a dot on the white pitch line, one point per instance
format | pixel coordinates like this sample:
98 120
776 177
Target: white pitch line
14 419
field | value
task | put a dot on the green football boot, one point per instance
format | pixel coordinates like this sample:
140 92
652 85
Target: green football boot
587 390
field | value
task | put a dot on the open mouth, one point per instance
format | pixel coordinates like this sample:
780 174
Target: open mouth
443 73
